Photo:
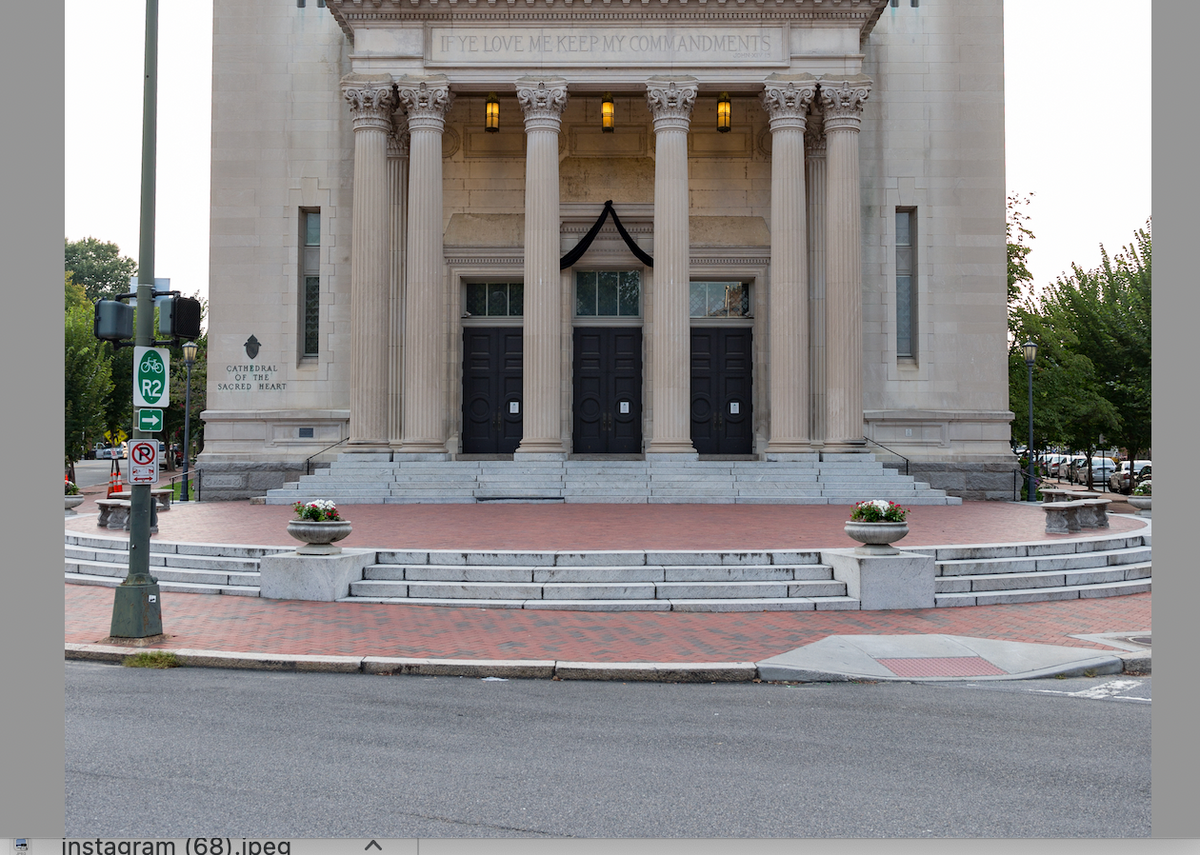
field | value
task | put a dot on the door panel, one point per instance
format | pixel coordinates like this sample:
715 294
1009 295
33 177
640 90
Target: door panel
608 391
492 364
722 400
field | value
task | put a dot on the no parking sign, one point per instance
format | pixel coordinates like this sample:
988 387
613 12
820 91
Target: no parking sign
143 461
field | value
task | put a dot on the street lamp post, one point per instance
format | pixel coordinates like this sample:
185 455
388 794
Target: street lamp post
189 359
1030 349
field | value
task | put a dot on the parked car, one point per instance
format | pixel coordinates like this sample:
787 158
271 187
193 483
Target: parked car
1070 468
1119 481
1102 468
1052 463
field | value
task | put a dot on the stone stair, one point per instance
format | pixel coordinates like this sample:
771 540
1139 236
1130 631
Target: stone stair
1037 572
605 581
767 580
825 479
197 568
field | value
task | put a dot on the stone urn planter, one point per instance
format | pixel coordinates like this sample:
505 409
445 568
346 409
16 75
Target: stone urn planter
319 537
876 537
73 502
1142 503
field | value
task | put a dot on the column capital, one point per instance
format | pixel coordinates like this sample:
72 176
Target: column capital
786 98
398 139
427 100
814 132
671 100
843 98
371 100
543 100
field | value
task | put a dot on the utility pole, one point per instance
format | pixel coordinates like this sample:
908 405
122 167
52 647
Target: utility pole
137 608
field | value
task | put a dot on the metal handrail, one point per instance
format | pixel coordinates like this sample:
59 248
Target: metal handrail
885 448
308 461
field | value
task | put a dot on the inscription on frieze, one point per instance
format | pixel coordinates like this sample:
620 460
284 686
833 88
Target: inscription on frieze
600 46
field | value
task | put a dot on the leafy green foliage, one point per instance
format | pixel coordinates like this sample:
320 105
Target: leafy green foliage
87 382
1092 374
99 268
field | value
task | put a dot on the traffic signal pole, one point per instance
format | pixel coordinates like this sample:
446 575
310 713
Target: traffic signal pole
137 608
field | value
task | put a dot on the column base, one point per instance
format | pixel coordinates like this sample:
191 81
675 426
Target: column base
419 446
542 446
789 446
531 455
671 446
792 457
370 446
655 455
404 455
844 446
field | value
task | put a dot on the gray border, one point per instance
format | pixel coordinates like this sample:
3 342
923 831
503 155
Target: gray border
33 623
1175 749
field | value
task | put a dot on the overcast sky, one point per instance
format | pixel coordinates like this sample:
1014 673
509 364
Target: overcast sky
1077 81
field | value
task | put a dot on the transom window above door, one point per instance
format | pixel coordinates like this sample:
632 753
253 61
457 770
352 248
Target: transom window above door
608 293
495 299
719 300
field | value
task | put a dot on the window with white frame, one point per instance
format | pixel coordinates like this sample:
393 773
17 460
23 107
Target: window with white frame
906 283
310 282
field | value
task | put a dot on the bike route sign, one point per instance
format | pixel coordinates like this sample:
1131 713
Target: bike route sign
143 461
151 377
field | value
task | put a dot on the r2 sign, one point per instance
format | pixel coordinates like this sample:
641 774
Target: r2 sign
151 377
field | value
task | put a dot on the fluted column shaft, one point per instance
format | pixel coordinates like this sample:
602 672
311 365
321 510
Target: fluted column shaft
671 100
542 100
786 101
426 101
816 185
371 102
842 99
398 185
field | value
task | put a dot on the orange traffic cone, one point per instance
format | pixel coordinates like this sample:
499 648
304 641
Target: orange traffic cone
114 482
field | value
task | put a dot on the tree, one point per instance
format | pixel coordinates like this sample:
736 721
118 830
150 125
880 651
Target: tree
1109 309
1092 375
87 381
99 267
1019 238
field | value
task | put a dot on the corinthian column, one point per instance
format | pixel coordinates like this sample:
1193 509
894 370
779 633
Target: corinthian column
543 100
671 100
786 99
815 184
397 161
842 99
426 100
371 103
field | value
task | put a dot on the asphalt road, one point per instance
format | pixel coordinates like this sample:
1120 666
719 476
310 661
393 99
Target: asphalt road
228 753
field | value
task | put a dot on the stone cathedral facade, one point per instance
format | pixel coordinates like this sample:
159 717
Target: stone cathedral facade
527 229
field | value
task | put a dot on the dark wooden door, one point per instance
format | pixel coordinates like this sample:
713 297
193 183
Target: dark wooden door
722 370
492 406
608 390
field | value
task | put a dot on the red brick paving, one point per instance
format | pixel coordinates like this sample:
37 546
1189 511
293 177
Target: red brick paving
237 624
600 526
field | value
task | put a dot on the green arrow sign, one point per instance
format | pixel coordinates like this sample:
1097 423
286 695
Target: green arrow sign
150 421
151 377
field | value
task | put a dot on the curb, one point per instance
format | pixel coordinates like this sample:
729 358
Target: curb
658 672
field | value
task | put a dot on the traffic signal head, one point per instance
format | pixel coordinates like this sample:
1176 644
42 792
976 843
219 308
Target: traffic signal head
113 321
179 317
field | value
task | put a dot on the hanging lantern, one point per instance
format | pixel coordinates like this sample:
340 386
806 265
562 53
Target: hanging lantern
493 114
724 111
608 113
